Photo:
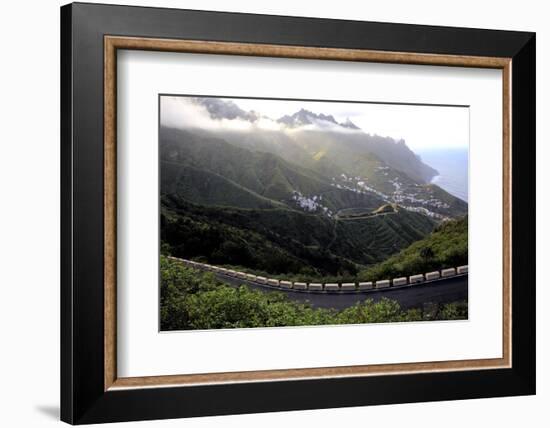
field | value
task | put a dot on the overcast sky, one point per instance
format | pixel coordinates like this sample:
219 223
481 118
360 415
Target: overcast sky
422 127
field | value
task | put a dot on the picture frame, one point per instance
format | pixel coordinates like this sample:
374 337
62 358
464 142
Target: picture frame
91 390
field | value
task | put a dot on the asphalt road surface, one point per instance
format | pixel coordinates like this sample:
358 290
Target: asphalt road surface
441 291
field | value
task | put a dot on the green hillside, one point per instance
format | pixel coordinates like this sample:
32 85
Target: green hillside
371 239
384 165
192 167
287 241
360 153
446 247
208 188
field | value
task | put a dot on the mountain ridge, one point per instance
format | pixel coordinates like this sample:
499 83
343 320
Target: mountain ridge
306 117
394 153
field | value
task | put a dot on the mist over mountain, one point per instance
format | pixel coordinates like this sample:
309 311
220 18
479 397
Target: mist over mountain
302 137
211 171
306 117
226 109
349 124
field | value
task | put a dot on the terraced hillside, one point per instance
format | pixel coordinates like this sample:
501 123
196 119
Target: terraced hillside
284 240
445 247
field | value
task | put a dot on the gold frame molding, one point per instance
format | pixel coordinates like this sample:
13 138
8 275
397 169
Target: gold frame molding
113 43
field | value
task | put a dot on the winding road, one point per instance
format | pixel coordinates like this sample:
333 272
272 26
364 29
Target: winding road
444 290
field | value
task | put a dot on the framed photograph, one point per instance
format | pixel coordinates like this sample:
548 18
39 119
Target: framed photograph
266 213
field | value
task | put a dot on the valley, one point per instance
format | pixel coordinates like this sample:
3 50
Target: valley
303 202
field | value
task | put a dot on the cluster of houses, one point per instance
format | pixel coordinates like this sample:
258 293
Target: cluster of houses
426 212
358 185
311 203
329 286
409 200
399 196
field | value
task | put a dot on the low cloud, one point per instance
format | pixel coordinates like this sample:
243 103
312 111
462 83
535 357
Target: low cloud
214 114
185 112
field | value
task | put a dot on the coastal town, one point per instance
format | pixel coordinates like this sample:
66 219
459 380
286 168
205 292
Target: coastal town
411 197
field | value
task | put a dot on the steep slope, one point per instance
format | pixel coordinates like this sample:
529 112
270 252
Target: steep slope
357 153
208 188
367 183
446 246
193 166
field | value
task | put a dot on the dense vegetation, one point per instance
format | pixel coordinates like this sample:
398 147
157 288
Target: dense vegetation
283 241
192 299
446 247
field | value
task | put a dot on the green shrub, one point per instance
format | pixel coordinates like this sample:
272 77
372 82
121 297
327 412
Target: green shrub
192 299
446 247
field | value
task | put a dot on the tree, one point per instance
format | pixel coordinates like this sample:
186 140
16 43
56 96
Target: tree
427 253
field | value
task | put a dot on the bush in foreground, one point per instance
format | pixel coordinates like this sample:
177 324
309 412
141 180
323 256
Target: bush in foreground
192 300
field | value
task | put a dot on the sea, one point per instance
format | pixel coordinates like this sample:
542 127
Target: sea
452 165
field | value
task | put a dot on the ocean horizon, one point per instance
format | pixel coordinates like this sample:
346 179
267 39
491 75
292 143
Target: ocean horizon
452 165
